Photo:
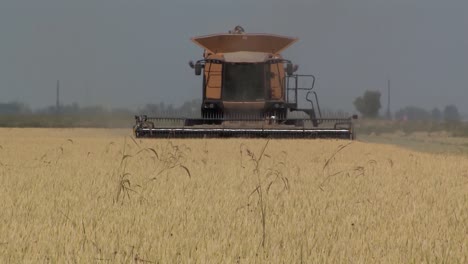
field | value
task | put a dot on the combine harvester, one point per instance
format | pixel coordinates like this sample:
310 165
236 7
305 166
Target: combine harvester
249 90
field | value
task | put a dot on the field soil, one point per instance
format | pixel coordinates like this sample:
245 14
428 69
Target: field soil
101 196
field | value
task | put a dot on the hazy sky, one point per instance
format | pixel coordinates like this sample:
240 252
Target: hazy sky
128 53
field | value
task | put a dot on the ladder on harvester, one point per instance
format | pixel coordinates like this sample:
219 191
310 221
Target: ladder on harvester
293 88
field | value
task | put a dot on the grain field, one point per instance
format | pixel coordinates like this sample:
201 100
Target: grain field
100 196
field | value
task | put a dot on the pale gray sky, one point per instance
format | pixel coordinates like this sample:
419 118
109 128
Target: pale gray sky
128 53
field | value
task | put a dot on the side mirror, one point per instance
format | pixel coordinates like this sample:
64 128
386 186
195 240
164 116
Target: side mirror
191 64
295 68
198 69
289 69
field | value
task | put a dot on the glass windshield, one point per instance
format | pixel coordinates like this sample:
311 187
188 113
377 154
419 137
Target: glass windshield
244 82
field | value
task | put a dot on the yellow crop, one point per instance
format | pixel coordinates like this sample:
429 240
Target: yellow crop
99 196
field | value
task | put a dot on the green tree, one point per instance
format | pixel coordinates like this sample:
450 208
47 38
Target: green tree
436 114
451 114
368 104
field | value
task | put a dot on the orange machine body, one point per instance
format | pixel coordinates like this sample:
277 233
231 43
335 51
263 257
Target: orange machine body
243 73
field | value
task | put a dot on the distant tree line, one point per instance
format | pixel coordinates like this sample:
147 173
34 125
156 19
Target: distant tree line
189 108
17 108
16 114
449 114
13 108
368 105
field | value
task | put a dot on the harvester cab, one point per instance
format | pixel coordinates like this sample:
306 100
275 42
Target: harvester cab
249 90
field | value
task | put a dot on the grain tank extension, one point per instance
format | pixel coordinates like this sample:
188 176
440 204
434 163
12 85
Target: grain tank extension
249 90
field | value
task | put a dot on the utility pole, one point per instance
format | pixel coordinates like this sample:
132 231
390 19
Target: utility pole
389 114
57 103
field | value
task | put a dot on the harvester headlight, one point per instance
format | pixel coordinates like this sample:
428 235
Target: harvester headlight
207 105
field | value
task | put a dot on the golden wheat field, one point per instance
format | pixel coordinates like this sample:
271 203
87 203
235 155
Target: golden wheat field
100 196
